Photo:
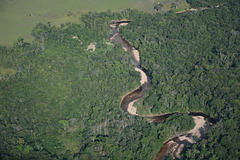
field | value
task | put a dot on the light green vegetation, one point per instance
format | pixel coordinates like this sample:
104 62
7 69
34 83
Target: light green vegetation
64 101
18 17
181 4
4 72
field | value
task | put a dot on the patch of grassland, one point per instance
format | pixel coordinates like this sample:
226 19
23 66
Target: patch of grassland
181 5
70 143
18 17
4 72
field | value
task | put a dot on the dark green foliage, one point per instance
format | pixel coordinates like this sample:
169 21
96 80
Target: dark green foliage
193 61
158 6
221 142
179 122
64 101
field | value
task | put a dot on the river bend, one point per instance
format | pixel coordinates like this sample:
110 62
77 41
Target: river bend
176 143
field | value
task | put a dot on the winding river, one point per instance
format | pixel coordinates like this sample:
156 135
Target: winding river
176 143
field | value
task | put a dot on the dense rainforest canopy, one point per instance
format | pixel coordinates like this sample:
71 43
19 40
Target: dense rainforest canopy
59 100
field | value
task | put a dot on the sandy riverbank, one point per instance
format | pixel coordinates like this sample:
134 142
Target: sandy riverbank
128 48
177 144
132 109
182 141
144 78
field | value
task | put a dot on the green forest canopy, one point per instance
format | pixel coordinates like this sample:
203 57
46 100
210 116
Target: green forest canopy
59 100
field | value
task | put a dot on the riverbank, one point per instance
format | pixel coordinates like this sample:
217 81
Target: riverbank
129 99
175 144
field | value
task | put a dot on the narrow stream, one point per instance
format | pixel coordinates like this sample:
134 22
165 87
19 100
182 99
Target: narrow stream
176 143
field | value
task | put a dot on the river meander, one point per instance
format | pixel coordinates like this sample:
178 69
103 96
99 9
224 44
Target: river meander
176 143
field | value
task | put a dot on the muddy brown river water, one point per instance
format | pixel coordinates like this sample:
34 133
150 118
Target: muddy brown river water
176 143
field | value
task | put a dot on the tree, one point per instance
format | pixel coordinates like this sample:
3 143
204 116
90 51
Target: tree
158 6
174 6
69 13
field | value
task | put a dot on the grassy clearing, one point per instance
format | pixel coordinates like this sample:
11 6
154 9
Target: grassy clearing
181 5
4 72
18 17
